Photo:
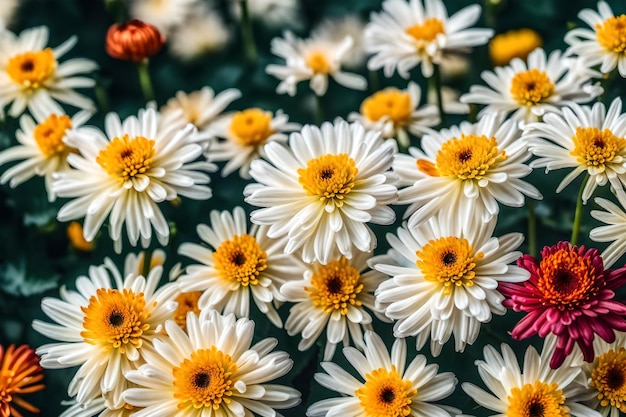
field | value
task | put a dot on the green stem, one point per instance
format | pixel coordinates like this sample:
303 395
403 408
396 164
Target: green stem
578 215
144 80
374 81
247 35
435 83
319 110
102 97
147 259
532 228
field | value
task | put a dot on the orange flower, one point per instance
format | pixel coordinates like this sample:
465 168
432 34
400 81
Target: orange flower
133 41
77 239
19 370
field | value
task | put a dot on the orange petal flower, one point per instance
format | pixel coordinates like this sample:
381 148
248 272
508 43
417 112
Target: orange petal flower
19 372
133 41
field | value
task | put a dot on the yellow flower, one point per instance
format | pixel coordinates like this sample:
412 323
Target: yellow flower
513 44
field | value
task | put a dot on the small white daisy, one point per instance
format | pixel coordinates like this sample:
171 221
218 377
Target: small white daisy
41 150
313 59
337 29
323 189
605 43
614 231
272 13
535 390
530 90
124 174
465 170
386 385
408 33
239 264
105 329
204 32
444 279
590 140
393 112
211 371
31 75
245 133
333 297
164 14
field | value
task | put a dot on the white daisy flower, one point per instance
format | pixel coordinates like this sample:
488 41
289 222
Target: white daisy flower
245 133
464 171
97 407
337 29
603 44
333 297
8 12
323 189
272 13
239 264
393 112
41 150
444 279
386 386
31 75
530 90
164 14
313 59
212 371
105 329
409 33
124 174
590 140
204 32
614 231
535 390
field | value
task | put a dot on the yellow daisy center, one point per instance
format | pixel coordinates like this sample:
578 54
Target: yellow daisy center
251 127
537 400
611 34
427 31
609 378
114 318
467 157
385 394
593 147
77 238
204 380
513 44
241 260
330 177
319 63
531 87
390 103
125 158
335 286
448 260
32 69
49 135
187 301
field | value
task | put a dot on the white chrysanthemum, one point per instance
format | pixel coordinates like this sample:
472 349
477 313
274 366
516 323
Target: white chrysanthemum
408 33
333 297
614 231
605 43
41 150
337 29
105 329
272 13
204 32
97 407
523 392
239 264
393 112
386 385
465 171
323 189
590 140
124 174
444 279
32 77
212 371
313 59
530 90
164 14
245 134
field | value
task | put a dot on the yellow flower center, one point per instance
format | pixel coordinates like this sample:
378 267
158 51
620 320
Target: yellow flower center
448 260
251 127
609 378
330 177
537 400
204 380
426 32
531 87
32 69
49 135
385 394
125 158
593 147
335 286
77 238
241 260
187 301
611 34
513 44
113 319
318 62
467 157
390 103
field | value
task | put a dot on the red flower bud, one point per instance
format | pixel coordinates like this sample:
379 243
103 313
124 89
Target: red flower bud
133 41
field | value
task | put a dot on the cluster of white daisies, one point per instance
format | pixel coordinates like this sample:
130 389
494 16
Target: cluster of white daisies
185 348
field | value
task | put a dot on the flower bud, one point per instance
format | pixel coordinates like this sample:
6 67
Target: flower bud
133 41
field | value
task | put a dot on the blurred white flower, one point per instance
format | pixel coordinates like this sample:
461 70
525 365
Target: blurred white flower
272 13
336 29
7 12
164 14
203 33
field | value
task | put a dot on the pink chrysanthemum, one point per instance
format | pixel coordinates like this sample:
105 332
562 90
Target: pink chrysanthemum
569 294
